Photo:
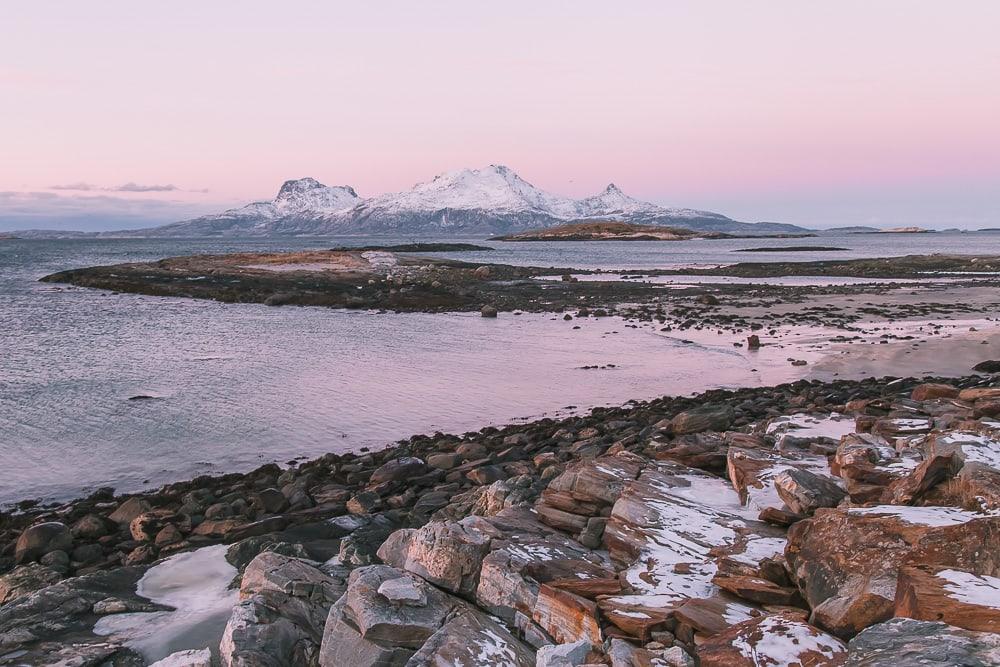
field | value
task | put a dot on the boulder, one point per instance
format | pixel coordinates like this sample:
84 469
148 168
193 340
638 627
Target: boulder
365 628
284 603
706 451
772 640
707 418
567 617
962 599
572 654
472 639
40 539
447 554
932 471
91 527
804 492
905 642
846 562
979 393
930 391
129 510
398 470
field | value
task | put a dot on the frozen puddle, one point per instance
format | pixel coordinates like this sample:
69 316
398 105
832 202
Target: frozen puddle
196 585
812 427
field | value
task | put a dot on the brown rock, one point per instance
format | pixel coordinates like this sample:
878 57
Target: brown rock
129 510
931 472
40 539
846 563
963 599
926 392
566 617
757 589
979 393
447 554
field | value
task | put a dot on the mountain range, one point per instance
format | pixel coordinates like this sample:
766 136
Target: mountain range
491 200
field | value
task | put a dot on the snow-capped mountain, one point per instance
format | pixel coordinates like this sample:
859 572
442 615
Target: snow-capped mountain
304 199
491 200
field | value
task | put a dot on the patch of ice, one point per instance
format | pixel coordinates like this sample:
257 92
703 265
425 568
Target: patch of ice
975 448
493 649
935 517
971 588
192 658
833 426
737 612
680 533
196 585
759 548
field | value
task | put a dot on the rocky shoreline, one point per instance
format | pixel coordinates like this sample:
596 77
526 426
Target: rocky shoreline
813 523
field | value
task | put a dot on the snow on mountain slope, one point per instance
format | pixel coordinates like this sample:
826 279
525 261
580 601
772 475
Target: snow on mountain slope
304 195
491 200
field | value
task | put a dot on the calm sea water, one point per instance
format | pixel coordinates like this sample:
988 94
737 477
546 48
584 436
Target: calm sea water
240 385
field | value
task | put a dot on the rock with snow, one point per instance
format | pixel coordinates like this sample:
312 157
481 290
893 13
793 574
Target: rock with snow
846 562
771 641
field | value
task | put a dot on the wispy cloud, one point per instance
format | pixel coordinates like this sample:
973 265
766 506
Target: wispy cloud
27 210
127 187
135 187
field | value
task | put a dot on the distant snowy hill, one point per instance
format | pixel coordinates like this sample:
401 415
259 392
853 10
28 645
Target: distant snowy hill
492 200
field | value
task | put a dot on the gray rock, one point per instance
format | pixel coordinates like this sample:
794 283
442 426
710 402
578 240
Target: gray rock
398 469
709 418
285 603
563 655
65 607
904 642
402 591
56 560
472 639
377 619
344 645
24 580
805 492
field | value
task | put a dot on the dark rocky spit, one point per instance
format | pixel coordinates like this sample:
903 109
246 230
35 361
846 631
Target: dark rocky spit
403 282
843 523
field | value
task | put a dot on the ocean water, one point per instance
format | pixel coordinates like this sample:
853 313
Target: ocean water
235 386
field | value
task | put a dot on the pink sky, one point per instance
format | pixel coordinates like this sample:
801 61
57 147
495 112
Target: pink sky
815 113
